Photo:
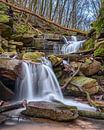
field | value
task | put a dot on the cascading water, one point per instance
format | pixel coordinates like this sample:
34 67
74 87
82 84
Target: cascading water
71 46
38 83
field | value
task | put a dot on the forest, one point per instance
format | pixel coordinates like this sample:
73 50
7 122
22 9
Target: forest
52 64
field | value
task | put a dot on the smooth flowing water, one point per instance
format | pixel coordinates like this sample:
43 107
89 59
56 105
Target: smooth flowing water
71 46
38 82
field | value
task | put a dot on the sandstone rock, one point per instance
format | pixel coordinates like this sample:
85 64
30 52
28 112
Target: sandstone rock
4 18
90 68
54 111
9 68
33 56
86 84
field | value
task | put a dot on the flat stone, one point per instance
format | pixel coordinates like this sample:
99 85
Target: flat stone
53 111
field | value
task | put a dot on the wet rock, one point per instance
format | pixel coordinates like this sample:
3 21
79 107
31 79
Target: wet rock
90 67
54 111
9 68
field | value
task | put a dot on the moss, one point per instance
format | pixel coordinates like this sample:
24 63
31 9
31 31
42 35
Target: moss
33 56
1 50
99 25
89 44
21 28
4 18
99 52
3 7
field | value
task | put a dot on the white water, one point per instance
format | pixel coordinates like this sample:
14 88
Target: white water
71 46
38 83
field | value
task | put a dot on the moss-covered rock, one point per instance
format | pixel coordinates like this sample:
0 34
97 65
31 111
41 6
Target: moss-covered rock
86 84
55 60
53 111
3 7
1 50
33 56
99 52
4 18
21 29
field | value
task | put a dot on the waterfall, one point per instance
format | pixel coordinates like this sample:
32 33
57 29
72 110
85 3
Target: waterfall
38 82
71 46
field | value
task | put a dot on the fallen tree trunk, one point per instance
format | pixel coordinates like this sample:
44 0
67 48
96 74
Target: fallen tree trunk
11 107
42 18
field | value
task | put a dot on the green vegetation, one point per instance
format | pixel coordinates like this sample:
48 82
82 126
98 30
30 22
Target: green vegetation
99 52
4 18
89 44
21 29
3 7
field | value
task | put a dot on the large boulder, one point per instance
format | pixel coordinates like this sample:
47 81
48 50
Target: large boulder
89 67
54 111
85 84
9 68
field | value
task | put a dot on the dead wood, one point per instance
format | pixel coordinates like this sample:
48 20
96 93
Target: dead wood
11 107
